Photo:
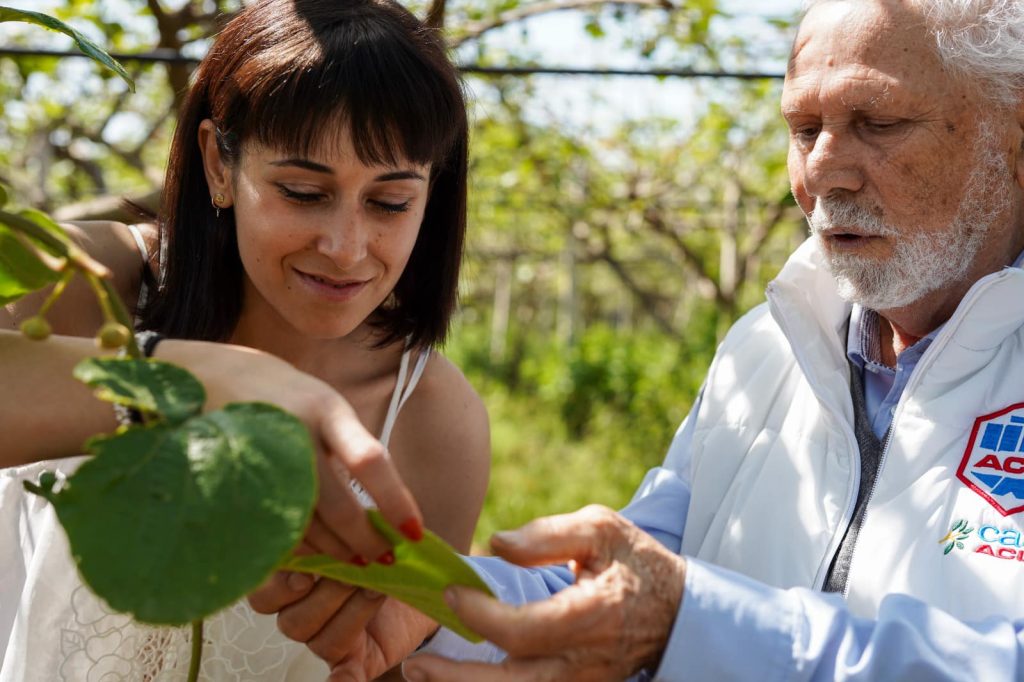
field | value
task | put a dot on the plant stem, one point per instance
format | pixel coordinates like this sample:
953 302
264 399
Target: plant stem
197 650
55 244
58 289
114 309
122 316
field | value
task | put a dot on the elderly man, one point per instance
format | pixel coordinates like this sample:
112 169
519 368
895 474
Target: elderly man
846 498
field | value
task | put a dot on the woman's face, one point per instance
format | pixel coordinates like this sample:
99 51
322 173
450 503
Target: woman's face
323 239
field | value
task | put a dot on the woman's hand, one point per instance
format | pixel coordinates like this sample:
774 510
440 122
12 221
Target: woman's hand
345 449
360 634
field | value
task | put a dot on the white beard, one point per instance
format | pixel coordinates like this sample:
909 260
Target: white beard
922 261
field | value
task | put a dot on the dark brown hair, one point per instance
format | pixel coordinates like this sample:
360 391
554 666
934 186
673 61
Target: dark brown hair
287 73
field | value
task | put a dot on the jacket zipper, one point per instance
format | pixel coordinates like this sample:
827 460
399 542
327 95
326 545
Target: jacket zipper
927 359
853 448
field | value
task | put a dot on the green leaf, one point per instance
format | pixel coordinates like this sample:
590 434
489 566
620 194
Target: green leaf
46 222
3 195
419 576
949 548
149 386
21 270
172 524
86 46
959 524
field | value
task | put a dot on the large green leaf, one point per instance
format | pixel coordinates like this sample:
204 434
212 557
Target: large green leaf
149 386
172 524
419 576
21 270
89 48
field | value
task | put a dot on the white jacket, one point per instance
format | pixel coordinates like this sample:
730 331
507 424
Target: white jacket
775 463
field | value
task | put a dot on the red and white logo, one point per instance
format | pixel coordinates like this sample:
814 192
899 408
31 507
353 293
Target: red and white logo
993 464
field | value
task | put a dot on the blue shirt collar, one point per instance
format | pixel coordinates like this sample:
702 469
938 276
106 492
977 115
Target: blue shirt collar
863 347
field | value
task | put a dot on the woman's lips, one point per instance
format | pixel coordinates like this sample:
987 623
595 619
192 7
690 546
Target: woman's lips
333 289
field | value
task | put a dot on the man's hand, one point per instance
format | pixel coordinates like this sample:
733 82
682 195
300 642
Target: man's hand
614 621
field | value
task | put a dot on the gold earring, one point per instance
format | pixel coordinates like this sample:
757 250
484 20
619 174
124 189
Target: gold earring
218 199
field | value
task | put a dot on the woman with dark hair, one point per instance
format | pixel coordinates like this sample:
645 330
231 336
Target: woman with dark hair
314 208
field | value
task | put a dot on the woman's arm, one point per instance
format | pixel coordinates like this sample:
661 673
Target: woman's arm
46 413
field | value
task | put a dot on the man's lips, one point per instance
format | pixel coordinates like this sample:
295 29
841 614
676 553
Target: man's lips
847 234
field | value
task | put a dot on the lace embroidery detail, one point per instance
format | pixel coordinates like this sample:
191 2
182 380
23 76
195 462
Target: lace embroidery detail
239 646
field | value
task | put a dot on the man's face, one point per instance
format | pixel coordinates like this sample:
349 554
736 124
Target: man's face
908 186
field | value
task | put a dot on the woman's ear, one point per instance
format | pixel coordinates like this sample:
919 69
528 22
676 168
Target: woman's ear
218 173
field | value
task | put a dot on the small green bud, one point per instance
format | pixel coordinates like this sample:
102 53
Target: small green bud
36 328
113 335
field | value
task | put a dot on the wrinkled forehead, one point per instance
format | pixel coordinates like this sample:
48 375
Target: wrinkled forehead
884 44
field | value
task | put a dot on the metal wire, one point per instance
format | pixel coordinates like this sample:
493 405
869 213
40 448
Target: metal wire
167 56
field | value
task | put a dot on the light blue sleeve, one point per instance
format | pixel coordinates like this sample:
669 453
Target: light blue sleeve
733 628
658 507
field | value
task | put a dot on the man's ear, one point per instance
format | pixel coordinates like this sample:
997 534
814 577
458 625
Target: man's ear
218 173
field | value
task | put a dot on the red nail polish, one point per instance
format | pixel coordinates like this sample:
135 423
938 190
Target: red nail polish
387 558
412 529
359 560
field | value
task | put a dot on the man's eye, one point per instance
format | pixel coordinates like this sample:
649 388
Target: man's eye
806 132
301 197
880 126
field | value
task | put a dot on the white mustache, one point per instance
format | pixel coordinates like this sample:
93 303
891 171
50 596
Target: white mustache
839 214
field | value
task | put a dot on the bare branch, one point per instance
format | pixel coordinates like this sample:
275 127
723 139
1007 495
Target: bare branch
657 223
474 30
648 300
435 14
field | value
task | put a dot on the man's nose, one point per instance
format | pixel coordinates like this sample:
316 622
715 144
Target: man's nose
832 164
345 237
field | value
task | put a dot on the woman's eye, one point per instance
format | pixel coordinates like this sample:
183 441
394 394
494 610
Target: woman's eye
301 197
388 207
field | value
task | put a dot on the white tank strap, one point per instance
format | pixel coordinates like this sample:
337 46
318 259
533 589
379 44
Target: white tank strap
405 384
144 253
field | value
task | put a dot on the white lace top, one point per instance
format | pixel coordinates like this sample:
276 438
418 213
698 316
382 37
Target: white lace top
52 628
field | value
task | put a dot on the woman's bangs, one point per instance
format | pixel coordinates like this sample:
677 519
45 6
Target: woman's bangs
396 107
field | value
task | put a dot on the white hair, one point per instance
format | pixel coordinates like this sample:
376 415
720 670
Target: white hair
981 40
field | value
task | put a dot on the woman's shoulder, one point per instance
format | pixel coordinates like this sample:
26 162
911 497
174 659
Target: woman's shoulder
445 414
442 444
115 244
77 313
444 390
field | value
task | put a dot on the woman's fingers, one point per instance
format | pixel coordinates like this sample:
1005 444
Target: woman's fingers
302 620
342 515
351 452
343 630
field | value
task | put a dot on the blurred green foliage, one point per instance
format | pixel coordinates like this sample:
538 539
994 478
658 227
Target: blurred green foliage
578 425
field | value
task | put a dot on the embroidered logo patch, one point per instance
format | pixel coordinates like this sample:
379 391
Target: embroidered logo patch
998 542
993 464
